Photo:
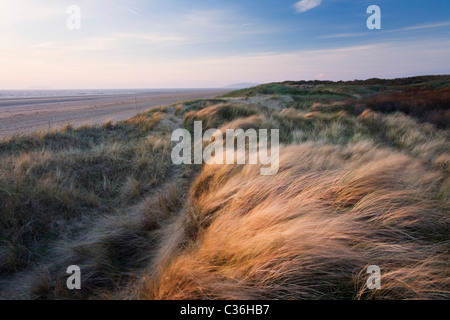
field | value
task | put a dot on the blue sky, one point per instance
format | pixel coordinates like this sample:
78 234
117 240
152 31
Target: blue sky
200 43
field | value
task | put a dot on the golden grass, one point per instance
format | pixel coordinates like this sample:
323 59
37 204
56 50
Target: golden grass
310 231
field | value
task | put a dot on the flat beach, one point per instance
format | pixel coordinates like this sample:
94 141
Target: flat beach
20 116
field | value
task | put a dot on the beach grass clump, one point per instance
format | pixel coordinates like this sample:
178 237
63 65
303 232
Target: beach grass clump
52 182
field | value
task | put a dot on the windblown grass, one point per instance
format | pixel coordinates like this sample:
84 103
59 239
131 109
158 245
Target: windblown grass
311 231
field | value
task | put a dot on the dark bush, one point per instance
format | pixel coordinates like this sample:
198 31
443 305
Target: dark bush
428 105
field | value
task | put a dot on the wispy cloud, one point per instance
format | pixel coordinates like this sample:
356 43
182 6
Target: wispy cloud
214 26
68 48
306 5
154 38
428 26
388 31
343 35
133 12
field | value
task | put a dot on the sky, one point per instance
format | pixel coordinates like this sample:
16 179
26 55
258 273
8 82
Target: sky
212 43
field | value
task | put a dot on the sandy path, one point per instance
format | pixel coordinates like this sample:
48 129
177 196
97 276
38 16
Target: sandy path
28 115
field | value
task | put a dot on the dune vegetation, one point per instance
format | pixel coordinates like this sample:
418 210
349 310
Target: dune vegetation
364 179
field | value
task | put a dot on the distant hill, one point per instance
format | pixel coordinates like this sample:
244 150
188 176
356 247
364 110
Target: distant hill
241 85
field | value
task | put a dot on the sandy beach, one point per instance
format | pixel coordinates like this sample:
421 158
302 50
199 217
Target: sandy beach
33 114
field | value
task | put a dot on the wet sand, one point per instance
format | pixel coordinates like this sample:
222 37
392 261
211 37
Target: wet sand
33 114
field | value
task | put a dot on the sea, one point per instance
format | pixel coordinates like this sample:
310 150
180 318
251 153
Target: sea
18 94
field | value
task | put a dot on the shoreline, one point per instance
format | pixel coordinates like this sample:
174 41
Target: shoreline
26 115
